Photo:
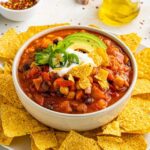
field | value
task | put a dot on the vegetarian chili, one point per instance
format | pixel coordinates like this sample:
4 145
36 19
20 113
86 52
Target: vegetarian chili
62 92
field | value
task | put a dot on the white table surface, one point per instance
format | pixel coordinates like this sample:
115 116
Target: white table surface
60 11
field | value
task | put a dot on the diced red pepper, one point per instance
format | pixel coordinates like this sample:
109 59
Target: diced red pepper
82 108
46 76
66 107
110 76
97 93
62 82
101 104
33 73
79 95
37 82
39 99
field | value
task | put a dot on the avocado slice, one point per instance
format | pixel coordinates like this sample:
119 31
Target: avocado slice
84 41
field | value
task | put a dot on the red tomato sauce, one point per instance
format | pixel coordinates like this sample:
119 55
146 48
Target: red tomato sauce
62 95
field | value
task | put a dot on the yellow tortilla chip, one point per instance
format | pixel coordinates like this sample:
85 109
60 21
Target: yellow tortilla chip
1 70
81 71
3 100
126 142
134 142
142 87
8 68
36 29
71 78
135 116
91 133
109 142
102 77
136 132
105 59
24 36
9 44
60 136
132 40
18 122
44 140
143 62
112 128
7 90
96 57
33 146
94 26
84 83
4 140
75 141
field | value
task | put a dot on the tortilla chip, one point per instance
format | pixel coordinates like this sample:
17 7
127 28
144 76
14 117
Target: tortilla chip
91 133
142 87
60 136
126 142
75 141
109 142
81 71
132 40
3 100
105 59
135 117
143 62
44 140
84 83
96 57
71 78
24 36
9 44
36 29
8 67
18 122
33 146
1 70
4 140
112 128
7 90
134 142
102 78
94 26
144 97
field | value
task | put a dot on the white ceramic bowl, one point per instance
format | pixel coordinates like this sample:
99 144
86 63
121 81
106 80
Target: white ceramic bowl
63 121
19 15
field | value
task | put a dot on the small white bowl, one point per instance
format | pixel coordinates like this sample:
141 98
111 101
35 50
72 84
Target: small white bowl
19 15
79 122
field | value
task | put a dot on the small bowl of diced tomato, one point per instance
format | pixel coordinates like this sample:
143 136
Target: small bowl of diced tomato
74 77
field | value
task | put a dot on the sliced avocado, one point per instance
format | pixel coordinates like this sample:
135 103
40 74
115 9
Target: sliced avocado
81 43
84 41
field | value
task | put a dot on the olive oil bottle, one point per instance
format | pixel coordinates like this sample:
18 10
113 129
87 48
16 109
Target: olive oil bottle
118 12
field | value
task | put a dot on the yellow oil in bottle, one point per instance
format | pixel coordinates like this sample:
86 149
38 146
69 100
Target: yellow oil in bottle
118 12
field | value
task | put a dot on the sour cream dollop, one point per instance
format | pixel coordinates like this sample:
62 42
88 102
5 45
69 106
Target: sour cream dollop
83 58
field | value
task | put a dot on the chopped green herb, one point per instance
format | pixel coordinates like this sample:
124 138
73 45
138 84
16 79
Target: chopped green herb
56 56
41 58
72 58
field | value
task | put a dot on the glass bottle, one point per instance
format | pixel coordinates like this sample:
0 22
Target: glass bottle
118 12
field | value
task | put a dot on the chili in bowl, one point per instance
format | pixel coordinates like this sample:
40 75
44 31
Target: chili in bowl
74 77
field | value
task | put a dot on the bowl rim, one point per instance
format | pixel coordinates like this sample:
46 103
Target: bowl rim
21 10
99 31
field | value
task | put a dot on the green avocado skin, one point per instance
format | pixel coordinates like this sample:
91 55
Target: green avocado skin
85 41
